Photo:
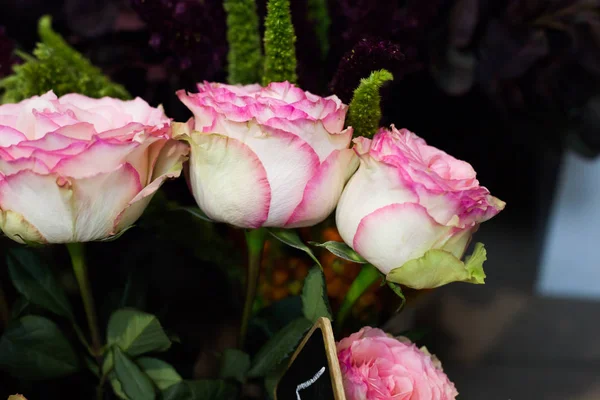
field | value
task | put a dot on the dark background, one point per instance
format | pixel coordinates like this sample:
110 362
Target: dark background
507 85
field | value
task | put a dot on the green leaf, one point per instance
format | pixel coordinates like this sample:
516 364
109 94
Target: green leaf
291 238
234 364
134 382
196 212
342 250
136 332
438 267
116 385
279 43
160 372
33 279
279 347
244 56
34 348
315 303
364 112
273 378
204 389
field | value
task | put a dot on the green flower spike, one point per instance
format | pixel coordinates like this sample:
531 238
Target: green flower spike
245 56
280 39
364 112
438 267
56 66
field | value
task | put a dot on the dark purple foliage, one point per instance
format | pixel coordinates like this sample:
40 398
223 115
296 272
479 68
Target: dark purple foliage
192 31
391 34
370 54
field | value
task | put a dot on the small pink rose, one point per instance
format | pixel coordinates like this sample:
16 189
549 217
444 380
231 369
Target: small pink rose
376 366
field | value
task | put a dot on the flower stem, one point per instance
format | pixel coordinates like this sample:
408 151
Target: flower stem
77 253
366 277
255 240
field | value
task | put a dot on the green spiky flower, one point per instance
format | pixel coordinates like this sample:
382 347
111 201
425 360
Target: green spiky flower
56 66
245 56
364 112
280 40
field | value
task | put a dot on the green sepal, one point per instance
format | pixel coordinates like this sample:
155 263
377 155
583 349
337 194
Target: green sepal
438 267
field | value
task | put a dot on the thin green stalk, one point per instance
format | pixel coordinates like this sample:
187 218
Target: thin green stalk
77 253
255 240
366 277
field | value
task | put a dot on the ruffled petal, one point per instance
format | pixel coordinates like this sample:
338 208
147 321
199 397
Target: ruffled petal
169 165
314 133
11 167
100 157
323 191
10 136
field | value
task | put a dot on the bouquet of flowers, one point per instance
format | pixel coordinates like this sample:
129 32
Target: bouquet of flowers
264 160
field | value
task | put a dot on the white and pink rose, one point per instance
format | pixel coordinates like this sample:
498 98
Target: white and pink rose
411 210
272 156
77 169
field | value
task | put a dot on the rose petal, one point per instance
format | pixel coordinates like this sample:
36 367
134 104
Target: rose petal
10 136
11 167
397 233
168 165
95 211
42 202
100 157
314 133
288 161
228 181
373 186
323 190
